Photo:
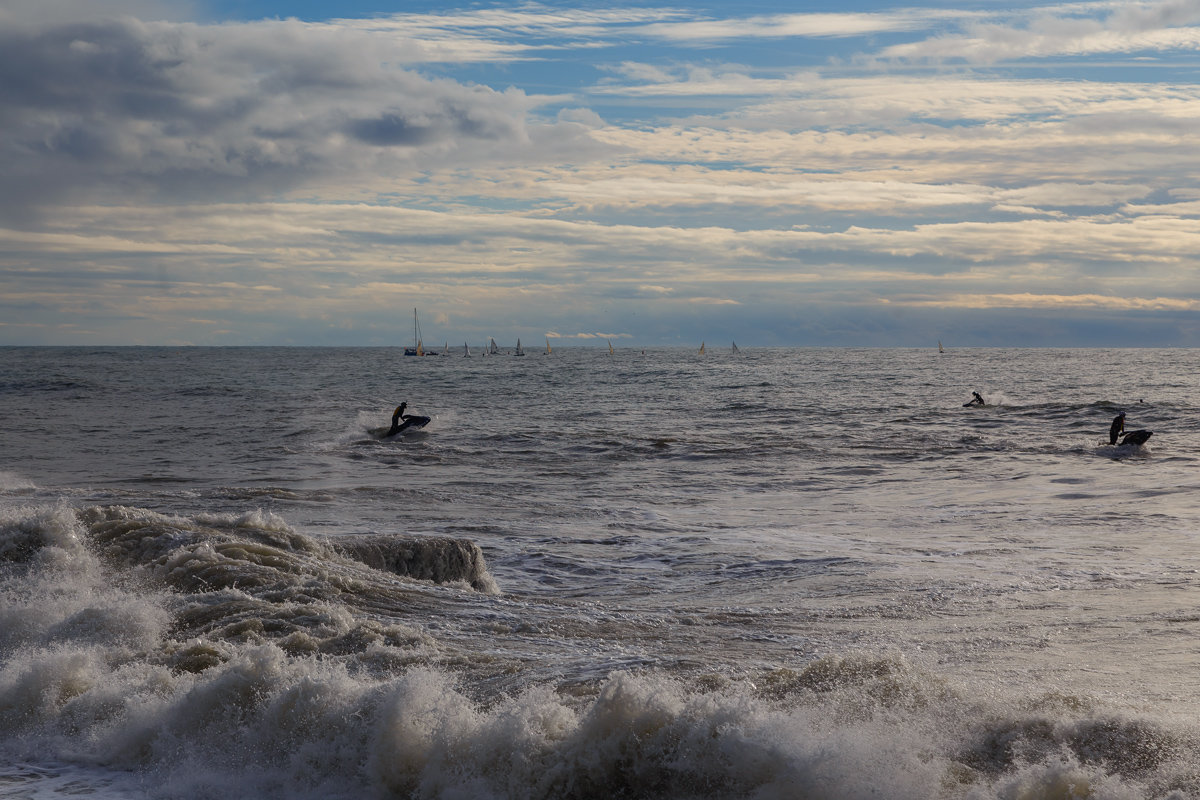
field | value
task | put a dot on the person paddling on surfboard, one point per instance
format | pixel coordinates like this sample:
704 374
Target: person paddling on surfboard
977 400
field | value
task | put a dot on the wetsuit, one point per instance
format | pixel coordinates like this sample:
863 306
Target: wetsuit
978 401
1118 425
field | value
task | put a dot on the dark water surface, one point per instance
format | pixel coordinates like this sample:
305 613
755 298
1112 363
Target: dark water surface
778 573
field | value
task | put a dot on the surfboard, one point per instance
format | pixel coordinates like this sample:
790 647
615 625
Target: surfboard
1137 438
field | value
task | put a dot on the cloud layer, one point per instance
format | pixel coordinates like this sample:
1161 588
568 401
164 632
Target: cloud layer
853 178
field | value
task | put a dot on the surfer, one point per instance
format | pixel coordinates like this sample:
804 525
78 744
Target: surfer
977 400
1118 425
1135 438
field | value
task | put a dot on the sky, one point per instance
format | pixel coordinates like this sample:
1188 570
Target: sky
265 172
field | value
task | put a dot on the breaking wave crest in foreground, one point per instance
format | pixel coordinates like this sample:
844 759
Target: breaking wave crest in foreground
223 655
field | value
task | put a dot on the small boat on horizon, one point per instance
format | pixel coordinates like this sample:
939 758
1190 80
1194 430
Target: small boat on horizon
416 349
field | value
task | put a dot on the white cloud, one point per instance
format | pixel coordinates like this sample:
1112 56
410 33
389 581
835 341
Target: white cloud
1027 300
810 25
189 110
246 177
1066 30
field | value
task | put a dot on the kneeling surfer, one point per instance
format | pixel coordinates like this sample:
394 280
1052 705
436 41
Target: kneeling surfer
976 401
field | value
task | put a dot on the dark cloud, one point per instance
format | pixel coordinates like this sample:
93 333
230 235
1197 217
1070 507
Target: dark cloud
184 111
395 128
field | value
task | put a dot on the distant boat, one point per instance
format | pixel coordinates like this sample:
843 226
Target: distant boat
610 350
466 351
416 349
547 345
702 348
492 349
940 348
519 351
735 348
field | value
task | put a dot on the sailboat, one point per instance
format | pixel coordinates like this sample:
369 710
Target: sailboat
940 348
735 348
466 350
610 350
416 349
492 349
547 345
702 348
519 351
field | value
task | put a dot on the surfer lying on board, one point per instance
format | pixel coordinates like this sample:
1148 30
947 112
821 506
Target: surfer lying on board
1133 437
401 421
977 400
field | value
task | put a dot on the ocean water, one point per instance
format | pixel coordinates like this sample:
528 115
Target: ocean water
781 573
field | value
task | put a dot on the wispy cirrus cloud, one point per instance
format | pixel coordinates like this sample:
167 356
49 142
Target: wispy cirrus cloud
1080 29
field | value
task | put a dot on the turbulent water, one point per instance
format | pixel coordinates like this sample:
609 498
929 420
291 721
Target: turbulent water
779 573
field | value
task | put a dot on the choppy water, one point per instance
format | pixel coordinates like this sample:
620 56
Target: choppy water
777 574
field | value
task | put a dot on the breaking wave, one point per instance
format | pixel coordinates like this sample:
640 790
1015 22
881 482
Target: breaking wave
230 656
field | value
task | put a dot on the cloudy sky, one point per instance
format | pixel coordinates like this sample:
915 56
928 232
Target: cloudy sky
775 173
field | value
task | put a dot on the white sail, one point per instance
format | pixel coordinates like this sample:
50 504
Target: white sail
492 348
519 351
466 350
940 348
416 349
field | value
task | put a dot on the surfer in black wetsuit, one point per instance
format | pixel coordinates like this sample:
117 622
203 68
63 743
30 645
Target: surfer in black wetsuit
977 400
1118 425
1132 438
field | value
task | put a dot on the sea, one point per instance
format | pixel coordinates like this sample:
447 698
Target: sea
776 573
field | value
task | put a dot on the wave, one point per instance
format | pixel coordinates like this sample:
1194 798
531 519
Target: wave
266 725
441 560
227 655
222 581
13 482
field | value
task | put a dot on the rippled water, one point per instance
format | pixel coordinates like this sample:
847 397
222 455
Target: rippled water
778 573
